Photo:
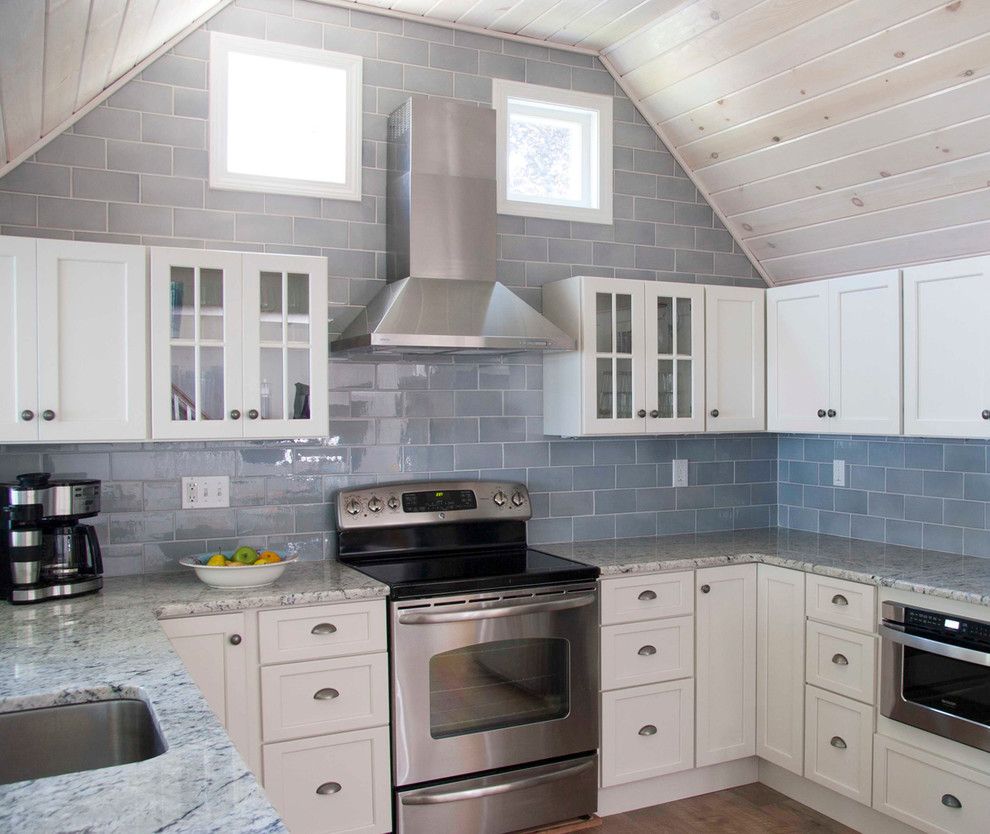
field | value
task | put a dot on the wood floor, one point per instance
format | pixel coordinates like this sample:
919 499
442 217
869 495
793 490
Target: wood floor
750 809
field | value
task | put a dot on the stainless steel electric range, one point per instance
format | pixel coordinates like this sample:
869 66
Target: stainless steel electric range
493 652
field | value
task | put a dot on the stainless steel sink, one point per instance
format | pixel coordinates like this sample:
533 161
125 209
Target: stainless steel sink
73 737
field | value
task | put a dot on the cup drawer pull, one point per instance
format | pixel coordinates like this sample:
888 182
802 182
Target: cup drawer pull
328 788
838 743
839 600
840 660
327 694
647 651
648 730
323 628
949 801
646 596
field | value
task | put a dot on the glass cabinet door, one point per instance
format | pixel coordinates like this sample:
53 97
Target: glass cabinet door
285 346
676 361
613 356
196 325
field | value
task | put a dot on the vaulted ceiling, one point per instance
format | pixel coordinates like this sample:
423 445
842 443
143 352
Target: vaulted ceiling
830 136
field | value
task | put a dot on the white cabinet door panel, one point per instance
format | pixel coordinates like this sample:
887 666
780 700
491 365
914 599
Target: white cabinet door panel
18 339
735 359
838 745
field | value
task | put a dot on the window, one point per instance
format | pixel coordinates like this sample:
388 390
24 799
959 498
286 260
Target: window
554 152
284 119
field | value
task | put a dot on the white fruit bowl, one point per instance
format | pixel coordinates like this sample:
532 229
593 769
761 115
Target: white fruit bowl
243 576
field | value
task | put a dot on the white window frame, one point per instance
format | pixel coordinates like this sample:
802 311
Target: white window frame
221 45
502 91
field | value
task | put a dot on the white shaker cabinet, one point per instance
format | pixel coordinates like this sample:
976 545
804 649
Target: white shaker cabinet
735 359
74 343
780 666
725 615
834 354
947 349
640 360
238 345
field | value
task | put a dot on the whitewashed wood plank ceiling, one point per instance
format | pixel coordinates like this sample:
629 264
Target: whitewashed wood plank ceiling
831 136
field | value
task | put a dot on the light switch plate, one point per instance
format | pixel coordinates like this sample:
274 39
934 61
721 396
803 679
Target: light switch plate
202 492
838 473
680 472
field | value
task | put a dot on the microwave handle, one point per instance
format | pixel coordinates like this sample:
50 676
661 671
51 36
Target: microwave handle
935 646
442 795
487 613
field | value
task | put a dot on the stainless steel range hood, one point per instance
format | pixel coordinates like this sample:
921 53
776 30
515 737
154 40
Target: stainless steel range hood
441 295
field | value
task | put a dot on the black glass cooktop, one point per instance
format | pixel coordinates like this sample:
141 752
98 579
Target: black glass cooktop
452 573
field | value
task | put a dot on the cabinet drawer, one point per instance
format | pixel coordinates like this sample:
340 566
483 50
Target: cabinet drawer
635 598
841 661
312 632
838 743
323 696
647 731
331 784
929 792
649 652
841 603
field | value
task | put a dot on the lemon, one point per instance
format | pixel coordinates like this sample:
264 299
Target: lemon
216 561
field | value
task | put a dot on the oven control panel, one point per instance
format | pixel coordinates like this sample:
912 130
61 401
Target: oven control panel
426 502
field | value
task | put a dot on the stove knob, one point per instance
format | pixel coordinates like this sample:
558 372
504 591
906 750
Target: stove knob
393 502
499 498
517 499
375 504
353 507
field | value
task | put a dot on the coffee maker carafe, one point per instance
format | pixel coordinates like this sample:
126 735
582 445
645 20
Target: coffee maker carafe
45 553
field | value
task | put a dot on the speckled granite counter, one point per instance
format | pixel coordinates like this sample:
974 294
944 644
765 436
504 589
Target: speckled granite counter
110 644
963 578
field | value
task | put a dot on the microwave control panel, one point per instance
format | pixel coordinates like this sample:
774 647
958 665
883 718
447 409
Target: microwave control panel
947 625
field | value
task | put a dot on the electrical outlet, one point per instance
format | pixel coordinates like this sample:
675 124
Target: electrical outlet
838 473
680 472
201 492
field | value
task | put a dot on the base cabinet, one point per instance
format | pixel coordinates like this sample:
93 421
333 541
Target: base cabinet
838 744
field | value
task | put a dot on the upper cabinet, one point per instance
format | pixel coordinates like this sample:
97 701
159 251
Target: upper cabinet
640 359
73 343
947 349
238 345
735 359
833 356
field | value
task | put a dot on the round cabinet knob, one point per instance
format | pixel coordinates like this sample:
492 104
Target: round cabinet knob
499 498
950 801
235 639
648 730
831 412
641 412
253 414
706 589
353 507
393 502
235 414
517 499
375 504
838 743
654 413
47 415
985 414
328 788
27 414
822 412
714 412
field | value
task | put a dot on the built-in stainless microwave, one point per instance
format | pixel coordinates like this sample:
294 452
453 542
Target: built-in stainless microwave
935 673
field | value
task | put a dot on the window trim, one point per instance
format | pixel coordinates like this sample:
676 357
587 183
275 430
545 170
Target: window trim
502 91
221 45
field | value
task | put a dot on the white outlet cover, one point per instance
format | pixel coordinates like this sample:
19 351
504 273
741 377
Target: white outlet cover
838 473
205 492
680 472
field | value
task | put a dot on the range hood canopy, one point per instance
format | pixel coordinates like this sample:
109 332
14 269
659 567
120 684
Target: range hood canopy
441 295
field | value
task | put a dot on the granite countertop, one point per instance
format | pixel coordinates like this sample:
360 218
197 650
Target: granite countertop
962 578
110 645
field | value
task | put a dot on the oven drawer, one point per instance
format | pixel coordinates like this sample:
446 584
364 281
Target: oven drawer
929 792
841 661
647 731
838 744
337 783
841 603
635 598
323 696
634 654
317 631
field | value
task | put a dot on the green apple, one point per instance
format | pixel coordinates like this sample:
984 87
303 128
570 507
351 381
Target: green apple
245 555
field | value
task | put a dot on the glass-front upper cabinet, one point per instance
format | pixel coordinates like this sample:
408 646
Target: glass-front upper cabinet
234 349
675 346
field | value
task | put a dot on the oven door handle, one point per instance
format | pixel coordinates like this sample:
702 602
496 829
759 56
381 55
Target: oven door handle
440 795
482 611
935 646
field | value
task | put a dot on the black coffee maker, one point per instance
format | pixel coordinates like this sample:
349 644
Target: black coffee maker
45 553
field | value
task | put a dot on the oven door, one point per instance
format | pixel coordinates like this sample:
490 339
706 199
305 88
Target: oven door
493 680
939 687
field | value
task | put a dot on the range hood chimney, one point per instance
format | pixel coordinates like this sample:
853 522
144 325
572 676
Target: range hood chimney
441 295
